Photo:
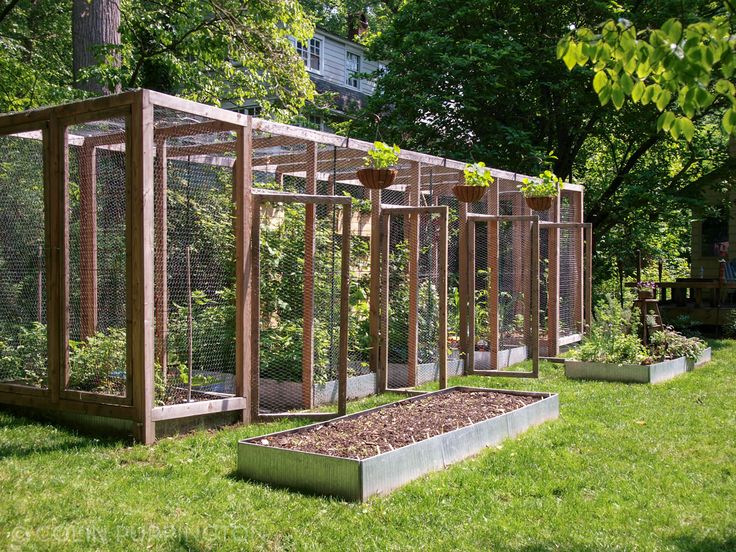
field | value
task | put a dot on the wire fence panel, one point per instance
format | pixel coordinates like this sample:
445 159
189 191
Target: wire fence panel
194 271
97 180
23 336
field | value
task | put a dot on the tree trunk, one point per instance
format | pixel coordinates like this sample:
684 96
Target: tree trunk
95 23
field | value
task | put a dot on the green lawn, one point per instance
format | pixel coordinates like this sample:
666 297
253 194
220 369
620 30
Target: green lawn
626 467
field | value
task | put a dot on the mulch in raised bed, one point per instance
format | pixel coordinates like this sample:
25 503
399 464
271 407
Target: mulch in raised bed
400 424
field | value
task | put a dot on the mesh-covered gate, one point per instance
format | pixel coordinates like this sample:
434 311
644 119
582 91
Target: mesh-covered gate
23 343
301 279
503 281
413 345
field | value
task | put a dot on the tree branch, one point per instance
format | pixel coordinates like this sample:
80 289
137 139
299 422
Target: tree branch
7 9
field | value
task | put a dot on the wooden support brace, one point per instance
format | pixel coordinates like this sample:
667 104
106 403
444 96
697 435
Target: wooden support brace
493 277
413 239
553 282
87 241
244 288
308 303
139 239
374 312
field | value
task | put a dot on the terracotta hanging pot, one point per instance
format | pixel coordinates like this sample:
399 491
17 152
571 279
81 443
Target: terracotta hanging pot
540 203
468 194
376 179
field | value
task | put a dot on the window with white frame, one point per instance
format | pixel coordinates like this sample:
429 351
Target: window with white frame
352 68
311 53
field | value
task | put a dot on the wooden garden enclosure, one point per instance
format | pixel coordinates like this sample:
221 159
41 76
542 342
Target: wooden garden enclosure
166 263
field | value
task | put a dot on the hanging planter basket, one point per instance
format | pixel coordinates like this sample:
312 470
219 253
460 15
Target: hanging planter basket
542 203
646 293
469 194
376 179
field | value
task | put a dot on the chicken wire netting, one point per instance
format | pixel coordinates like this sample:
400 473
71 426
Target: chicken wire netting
293 277
194 259
571 268
97 175
23 344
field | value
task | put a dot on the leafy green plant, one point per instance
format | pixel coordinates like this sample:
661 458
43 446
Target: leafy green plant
613 336
547 184
98 363
668 344
382 156
24 357
478 175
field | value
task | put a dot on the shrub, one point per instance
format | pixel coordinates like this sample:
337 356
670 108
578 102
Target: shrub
24 356
613 336
669 344
99 363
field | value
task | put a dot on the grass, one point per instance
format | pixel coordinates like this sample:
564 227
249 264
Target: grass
627 467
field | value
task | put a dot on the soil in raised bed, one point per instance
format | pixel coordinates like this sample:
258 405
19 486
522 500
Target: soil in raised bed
399 424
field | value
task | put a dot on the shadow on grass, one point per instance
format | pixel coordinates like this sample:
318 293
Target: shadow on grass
718 344
62 439
697 543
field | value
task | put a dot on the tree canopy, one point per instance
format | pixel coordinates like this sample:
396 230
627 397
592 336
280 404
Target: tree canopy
210 51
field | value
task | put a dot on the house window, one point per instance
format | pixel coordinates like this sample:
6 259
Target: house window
253 110
311 54
315 122
352 68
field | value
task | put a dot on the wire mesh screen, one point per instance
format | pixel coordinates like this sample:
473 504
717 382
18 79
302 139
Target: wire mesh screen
23 345
571 269
194 268
300 252
502 292
97 175
413 299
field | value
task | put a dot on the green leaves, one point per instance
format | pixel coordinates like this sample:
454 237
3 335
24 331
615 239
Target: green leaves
691 64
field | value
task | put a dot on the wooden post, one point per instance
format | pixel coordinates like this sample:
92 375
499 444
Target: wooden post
534 300
255 310
415 184
342 369
553 282
588 275
57 240
308 304
245 371
470 294
383 278
87 241
442 285
638 265
463 281
190 321
161 297
579 252
493 275
374 312
139 240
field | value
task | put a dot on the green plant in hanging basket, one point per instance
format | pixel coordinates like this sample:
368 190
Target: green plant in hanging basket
382 156
540 192
379 162
478 174
477 178
548 184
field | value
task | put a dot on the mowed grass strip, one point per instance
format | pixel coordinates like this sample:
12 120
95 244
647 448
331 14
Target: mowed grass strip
626 467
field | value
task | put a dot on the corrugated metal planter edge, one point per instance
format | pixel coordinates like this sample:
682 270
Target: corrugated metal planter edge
357 480
633 373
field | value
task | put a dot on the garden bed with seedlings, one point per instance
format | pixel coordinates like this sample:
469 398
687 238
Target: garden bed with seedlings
377 450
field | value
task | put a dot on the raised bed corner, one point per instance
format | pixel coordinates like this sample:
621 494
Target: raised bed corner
357 480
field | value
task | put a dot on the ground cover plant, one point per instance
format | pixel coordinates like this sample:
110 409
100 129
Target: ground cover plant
625 468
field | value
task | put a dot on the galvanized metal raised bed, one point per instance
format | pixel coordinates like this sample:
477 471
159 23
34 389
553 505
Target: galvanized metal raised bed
356 480
633 373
